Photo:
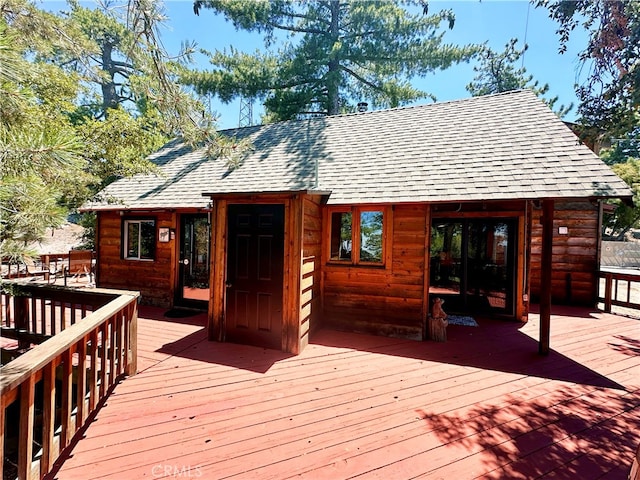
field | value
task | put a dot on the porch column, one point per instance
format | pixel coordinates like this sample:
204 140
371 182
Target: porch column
218 271
546 276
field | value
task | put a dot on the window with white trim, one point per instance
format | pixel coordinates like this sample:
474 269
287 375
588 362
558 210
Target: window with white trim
139 239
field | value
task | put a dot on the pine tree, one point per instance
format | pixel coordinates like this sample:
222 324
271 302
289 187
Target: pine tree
498 72
335 54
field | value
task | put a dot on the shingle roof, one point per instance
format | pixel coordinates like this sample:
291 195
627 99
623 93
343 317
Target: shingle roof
497 147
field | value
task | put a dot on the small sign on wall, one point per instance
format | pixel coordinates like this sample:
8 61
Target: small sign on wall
164 235
563 230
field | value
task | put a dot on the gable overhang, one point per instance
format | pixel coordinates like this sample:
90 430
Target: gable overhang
626 199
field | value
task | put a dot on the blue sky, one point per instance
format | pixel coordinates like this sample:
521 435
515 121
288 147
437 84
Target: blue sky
477 21
495 22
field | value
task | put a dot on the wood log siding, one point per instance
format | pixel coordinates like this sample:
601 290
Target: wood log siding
310 284
385 300
575 255
155 279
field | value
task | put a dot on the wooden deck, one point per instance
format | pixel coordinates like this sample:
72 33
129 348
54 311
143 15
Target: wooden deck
482 405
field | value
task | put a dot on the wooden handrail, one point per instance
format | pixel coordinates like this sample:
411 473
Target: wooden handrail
35 359
92 355
33 312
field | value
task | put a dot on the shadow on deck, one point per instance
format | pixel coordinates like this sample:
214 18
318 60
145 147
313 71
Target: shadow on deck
495 345
481 405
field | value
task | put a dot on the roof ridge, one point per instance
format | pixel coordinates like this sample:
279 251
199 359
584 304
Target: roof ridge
383 110
437 103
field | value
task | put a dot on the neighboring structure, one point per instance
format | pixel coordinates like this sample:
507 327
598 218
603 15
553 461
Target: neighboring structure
354 221
60 240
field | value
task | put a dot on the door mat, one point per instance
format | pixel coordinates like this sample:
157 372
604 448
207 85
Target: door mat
181 313
461 320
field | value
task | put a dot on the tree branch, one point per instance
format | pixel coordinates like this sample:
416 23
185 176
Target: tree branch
284 86
315 31
117 63
360 34
307 17
361 79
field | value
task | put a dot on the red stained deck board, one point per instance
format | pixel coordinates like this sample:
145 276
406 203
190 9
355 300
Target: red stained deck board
462 429
597 441
244 419
553 427
464 406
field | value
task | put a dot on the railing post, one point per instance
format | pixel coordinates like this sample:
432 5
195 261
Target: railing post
112 324
116 328
25 442
103 359
21 312
608 286
2 439
132 340
48 417
93 382
67 399
81 383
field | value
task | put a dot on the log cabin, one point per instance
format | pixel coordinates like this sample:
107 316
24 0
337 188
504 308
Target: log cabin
355 221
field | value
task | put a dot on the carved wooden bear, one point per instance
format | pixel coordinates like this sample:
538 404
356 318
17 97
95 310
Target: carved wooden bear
438 321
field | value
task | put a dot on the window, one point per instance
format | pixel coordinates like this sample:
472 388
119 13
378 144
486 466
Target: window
140 239
357 236
341 241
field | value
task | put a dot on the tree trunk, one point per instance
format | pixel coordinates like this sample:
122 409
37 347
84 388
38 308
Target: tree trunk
333 76
109 94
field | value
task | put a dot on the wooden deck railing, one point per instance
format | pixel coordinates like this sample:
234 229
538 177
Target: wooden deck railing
620 289
48 393
33 312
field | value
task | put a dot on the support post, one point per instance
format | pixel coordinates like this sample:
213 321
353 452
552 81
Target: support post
546 276
608 288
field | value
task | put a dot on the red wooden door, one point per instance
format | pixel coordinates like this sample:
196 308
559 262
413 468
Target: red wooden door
255 270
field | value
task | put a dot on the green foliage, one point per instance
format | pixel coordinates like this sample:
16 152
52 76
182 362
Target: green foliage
40 154
610 96
121 141
624 158
623 150
335 54
498 72
85 96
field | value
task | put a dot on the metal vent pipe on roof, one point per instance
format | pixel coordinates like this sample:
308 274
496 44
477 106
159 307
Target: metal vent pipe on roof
363 107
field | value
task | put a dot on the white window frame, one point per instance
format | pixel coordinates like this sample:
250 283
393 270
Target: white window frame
140 221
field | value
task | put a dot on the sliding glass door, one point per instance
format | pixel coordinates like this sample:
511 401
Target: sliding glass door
473 264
